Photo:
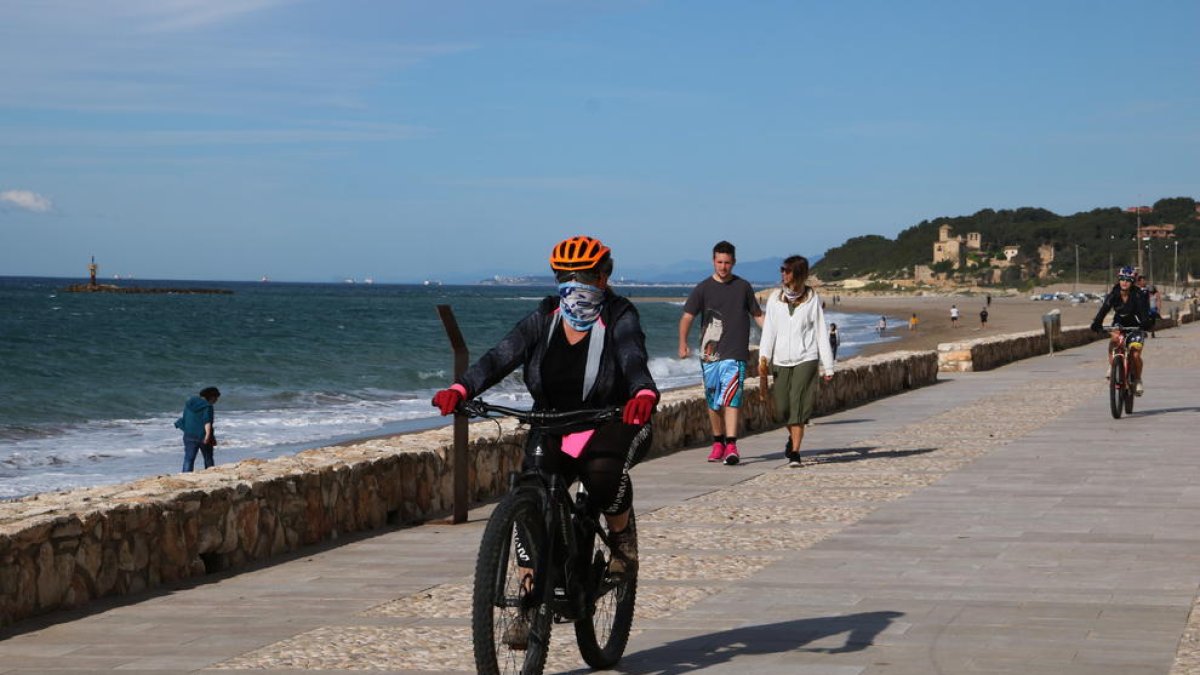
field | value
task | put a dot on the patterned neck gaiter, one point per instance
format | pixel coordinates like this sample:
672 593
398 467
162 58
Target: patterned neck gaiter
580 304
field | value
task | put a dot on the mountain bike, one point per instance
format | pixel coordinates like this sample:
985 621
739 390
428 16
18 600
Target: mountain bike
543 559
1120 378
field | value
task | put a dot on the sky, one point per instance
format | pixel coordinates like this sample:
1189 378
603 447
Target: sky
312 140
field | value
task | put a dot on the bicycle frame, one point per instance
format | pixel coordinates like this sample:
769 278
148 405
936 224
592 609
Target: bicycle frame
568 521
1121 369
545 557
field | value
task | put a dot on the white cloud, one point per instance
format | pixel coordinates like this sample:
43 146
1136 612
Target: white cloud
24 199
178 15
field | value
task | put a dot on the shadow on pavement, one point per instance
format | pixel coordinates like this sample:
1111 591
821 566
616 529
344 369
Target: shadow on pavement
821 422
834 455
706 651
1164 411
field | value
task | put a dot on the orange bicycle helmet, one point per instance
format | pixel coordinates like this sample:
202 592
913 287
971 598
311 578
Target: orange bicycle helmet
577 253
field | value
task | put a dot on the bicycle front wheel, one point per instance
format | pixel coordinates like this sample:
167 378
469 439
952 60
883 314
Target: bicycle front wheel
1130 389
510 625
1116 386
603 634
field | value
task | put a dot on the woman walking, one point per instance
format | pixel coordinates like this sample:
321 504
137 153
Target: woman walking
794 338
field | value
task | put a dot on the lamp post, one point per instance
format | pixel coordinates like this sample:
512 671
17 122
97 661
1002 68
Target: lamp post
1175 276
1075 288
1138 237
1111 238
1149 263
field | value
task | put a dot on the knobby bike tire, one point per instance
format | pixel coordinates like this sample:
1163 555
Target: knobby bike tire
1116 386
500 595
604 632
1130 388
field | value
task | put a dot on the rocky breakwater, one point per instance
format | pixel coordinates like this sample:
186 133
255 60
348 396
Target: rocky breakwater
65 549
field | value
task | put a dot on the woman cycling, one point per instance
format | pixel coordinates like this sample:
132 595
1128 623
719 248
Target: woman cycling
583 348
1130 310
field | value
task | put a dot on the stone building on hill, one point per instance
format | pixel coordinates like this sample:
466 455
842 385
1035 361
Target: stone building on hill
967 258
954 248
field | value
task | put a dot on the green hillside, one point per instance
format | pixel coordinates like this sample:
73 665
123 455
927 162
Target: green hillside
1100 233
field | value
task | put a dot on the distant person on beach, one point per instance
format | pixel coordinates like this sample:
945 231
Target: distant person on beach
726 303
197 427
581 348
833 339
989 299
983 315
882 325
1130 310
954 316
913 321
794 338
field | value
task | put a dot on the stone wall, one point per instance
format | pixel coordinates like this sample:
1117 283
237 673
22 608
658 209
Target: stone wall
991 352
64 549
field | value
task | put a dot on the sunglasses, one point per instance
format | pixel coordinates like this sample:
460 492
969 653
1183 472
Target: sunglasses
589 277
1122 278
785 270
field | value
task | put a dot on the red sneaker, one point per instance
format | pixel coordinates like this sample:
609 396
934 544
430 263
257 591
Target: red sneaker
718 452
731 454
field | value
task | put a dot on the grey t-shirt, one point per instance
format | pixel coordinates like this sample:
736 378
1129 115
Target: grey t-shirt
724 310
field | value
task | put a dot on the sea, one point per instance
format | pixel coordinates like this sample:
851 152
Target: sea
92 383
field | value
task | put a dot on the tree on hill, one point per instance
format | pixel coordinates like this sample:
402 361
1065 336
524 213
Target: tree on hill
1102 235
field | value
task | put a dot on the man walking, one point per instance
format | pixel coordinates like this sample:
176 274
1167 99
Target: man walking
726 303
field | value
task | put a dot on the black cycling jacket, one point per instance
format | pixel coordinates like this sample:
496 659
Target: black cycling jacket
621 372
1134 313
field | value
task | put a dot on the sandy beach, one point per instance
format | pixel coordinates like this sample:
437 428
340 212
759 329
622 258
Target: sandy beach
1005 315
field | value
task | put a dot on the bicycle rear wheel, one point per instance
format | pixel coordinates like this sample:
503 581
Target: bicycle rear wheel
1116 386
503 597
603 634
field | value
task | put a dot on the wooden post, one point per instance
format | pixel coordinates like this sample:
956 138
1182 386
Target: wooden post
461 474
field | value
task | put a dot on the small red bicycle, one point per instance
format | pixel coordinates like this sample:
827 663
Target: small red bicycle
1120 378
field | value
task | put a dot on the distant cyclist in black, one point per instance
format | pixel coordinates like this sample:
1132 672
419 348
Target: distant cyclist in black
1131 310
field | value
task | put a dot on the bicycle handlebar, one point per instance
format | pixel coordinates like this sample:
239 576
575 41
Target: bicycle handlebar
539 418
1123 329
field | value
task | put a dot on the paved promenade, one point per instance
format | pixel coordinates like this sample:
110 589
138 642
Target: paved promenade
998 522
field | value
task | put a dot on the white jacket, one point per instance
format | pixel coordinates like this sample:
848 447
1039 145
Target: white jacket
792 338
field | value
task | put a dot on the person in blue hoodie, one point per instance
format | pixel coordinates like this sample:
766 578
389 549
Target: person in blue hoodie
197 427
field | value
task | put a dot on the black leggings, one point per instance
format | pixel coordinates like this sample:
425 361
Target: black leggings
602 467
